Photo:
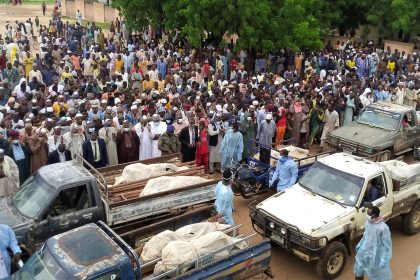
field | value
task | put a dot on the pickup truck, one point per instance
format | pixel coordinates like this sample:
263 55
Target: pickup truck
97 252
320 217
380 126
63 196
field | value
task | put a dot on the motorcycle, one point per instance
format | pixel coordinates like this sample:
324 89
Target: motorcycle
250 179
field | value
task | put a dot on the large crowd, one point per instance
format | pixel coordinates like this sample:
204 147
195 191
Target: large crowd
117 97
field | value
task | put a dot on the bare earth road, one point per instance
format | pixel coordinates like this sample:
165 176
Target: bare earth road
406 249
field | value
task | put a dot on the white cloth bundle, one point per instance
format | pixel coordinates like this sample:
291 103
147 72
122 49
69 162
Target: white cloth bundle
400 170
141 171
166 183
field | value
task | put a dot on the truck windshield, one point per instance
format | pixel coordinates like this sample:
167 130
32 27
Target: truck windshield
32 196
41 266
333 184
380 118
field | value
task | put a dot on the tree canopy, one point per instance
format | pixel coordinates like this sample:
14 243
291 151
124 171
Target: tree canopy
269 24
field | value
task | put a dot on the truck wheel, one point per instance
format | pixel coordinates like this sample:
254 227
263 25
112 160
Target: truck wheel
411 221
333 261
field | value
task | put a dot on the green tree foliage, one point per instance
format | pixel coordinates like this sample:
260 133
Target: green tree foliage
269 24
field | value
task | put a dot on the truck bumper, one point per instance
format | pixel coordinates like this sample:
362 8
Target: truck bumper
288 237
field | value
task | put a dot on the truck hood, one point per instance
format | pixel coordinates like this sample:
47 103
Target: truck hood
9 215
298 207
361 133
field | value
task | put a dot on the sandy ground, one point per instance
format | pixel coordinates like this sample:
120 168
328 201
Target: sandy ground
406 249
23 12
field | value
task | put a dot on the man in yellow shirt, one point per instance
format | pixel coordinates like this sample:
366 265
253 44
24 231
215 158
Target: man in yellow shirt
28 62
147 83
391 65
60 106
66 73
119 63
351 64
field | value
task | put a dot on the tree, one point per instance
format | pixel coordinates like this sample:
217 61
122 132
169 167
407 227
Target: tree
263 25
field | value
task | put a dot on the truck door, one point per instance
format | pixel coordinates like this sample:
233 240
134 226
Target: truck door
379 197
410 131
72 207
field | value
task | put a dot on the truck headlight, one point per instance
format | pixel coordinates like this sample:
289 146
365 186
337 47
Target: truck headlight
322 242
283 231
271 224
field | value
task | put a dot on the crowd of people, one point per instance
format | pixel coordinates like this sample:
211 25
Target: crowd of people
119 97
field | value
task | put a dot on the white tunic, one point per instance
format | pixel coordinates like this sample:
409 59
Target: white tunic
157 129
10 183
146 141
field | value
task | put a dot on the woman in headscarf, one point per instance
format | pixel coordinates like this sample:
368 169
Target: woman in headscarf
298 110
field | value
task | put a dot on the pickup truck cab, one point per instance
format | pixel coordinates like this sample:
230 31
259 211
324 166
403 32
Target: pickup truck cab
63 196
320 216
380 126
97 252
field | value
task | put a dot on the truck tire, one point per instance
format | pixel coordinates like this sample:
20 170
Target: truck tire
333 261
411 221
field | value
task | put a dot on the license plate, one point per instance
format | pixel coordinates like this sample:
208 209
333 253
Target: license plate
277 238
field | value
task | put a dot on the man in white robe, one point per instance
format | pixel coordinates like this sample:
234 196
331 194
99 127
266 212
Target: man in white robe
9 175
157 129
216 133
74 140
109 134
144 132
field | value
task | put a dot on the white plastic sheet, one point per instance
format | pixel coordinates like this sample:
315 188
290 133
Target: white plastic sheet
166 183
140 171
181 253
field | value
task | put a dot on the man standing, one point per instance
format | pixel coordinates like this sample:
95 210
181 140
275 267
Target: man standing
127 144
216 133
286 172
109 134
331 122
145 135
224 197
202 156
9 175
20 154
7 241
39 149
74 140
94 151
232 146
266 131
188 138
374 250
157 128
168 142
59 155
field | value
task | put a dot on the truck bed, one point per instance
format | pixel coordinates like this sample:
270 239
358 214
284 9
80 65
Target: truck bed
241 264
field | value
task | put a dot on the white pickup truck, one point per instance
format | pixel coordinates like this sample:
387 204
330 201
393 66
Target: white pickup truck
320 216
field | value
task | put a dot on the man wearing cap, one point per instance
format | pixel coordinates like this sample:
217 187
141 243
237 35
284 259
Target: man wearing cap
21 155
109 134
127 144
224 197
157 128
39 149
266 131
216 132
374 250
168 143
9 175
74 140
144 132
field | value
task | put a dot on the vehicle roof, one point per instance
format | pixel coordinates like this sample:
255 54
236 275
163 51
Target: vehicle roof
391 107
62 173
85 251
352 164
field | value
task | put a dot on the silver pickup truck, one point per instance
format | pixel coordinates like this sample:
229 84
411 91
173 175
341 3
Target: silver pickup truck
380 126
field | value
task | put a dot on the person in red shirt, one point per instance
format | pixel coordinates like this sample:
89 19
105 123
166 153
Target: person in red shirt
281 125
233 64
202 152
206 69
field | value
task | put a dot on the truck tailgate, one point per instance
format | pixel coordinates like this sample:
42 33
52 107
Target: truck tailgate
160 203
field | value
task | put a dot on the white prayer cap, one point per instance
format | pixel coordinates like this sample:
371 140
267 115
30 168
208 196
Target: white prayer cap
134 107
255 103
78 115
296 84
50 109
219 108
367 90
117 100
268 117
103 101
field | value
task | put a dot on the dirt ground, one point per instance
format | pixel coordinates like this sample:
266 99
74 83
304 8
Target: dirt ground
406 249
23 12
